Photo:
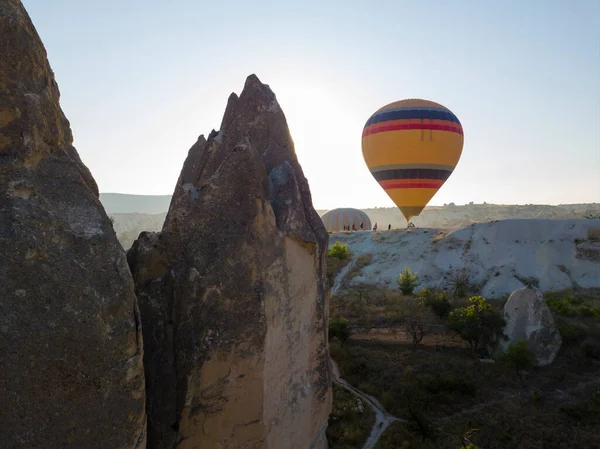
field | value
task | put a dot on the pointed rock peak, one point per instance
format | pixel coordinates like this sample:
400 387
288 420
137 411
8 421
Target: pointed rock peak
251 81
230 113
253 87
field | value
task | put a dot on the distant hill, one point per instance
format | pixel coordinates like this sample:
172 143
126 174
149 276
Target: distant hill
454 216
133 214
121 203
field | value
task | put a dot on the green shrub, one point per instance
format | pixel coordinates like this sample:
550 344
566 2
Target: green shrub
477 323
586 310
519 356
407 281
436 300
571 333
339 328
339 251
561 306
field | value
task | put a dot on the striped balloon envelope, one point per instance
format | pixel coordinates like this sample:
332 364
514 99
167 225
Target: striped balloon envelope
411 148
335 220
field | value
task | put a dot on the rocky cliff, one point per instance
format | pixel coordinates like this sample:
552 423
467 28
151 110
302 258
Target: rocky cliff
70 343
233 293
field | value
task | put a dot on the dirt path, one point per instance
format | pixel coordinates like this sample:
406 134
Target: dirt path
382 418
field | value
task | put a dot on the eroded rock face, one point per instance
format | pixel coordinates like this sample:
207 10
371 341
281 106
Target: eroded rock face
70 342
529 318
233 293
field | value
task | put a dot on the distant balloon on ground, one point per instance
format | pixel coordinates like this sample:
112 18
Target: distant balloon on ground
335 219
411 148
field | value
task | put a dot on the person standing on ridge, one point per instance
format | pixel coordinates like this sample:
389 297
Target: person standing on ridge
389 227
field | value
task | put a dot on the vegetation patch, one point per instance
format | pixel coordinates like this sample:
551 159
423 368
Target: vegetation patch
350 421
338 257
449 398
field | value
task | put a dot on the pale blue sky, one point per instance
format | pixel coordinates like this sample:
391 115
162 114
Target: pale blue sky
141 79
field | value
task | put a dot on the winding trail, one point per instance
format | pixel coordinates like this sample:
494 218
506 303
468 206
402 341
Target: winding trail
382 418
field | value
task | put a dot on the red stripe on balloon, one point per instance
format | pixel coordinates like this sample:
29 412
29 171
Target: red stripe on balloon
374 129
412 185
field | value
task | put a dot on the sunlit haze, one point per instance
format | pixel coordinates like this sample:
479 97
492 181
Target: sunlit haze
141 80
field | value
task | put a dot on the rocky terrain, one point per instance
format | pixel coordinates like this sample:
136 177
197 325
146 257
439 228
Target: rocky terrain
496 258
211 333
70 337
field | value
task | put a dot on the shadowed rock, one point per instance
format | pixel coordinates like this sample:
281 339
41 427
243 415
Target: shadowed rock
233 293
70 342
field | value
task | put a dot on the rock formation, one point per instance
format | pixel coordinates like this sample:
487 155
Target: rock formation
529 318
233 293
70 343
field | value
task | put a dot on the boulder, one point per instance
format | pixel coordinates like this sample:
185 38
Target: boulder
529 318
70 340
233 293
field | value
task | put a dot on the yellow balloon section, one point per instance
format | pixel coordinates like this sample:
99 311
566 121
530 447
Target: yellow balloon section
411 147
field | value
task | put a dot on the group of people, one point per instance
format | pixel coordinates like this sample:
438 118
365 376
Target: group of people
353 228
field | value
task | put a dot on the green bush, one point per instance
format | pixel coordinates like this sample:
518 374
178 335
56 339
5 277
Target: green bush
560 306
339 328
339 251
407 281
571 333
436 300
586 310
477 323
519 356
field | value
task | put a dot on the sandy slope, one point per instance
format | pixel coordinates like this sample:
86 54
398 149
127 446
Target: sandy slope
499 256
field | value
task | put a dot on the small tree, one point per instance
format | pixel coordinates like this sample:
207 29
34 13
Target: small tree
436 300
339 251
476 322
361 291
519 356
407 281
415 321
339 328
460 283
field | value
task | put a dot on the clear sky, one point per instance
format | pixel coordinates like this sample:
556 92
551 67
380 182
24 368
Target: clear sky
140 80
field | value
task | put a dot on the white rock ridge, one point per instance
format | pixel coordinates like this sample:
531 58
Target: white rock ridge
499 257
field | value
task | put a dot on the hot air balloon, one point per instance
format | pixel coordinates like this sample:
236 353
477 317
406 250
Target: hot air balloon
335 220
411 147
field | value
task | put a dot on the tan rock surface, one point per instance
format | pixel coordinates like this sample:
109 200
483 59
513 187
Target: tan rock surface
70 345
233 293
